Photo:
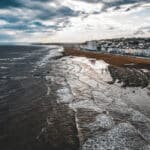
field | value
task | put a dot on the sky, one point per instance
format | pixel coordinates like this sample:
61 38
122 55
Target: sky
72 20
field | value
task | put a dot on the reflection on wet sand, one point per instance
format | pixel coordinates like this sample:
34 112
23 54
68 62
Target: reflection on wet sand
71 103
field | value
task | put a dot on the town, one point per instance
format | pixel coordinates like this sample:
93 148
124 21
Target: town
123 46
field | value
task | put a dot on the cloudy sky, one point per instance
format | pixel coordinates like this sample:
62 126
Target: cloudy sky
72 20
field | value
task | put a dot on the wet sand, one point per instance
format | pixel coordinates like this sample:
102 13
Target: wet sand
72 103
30 117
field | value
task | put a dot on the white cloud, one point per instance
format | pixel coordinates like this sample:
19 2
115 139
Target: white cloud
3 22
110 24
91 21
83 6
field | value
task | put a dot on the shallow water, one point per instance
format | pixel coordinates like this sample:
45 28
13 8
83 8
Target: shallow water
26 105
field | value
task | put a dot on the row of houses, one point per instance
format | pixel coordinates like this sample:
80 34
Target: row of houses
137 47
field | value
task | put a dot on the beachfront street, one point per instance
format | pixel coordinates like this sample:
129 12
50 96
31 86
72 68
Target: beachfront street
107 116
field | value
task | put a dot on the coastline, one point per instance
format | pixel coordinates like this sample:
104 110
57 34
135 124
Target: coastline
112 59
78 103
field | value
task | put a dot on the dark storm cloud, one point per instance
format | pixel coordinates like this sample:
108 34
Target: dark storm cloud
115 3
21 15
38 7
118 3
9 18
35 26
43 0
10 3
40 10
34 16
18 3
15 27
59 12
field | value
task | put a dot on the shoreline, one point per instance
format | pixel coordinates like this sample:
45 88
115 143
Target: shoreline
70 102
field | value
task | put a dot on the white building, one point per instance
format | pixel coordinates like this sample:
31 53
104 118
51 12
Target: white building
90 45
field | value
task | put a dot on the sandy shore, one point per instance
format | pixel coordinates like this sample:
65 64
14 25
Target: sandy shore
70 103
107 114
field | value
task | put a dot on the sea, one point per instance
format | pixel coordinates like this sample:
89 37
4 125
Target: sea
24 106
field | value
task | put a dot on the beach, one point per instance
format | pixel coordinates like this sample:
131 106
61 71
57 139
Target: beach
56 100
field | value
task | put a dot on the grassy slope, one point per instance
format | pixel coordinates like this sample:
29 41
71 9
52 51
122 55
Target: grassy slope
116 60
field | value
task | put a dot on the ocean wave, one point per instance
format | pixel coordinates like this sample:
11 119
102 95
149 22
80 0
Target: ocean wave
3 67
53 52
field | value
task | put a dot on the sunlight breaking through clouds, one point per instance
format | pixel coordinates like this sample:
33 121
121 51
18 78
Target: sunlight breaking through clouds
72 20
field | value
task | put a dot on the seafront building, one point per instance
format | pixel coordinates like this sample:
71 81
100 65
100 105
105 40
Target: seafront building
135 47
89 45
